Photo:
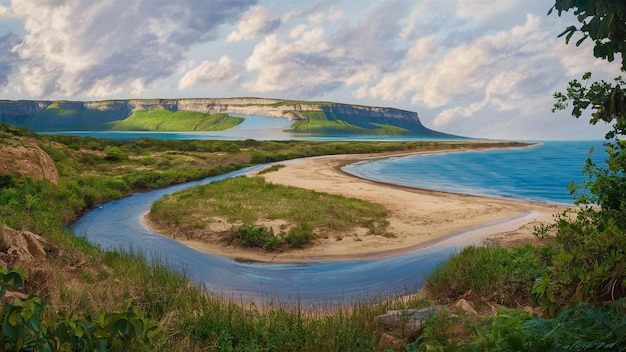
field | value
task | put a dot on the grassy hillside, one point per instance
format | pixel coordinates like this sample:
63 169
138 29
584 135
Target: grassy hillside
321 122
60 116
179 121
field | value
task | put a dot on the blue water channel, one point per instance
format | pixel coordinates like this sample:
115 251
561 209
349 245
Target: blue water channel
536 173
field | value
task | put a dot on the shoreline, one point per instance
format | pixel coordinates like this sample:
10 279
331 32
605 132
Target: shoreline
418 218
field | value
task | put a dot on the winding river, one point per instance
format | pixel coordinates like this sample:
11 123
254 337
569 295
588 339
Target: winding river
119 225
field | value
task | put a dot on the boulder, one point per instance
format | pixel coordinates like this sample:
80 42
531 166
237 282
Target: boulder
21 248
408 319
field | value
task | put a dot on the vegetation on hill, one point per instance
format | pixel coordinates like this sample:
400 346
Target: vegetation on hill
179 121
84 283
578 276
326 122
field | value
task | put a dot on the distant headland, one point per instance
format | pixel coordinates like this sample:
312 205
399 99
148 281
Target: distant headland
208 114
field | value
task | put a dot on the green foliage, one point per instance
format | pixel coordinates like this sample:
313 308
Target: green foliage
253 236
579 327
329 123
25 329
247 199
603 21
299 236
115 154
607 101
165 120
272 168
588 263
489 273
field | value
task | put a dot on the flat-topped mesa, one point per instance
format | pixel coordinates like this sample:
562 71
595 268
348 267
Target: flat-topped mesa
93 115
254 106
22 107
284 108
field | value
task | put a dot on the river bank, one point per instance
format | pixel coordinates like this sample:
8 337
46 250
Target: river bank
417 218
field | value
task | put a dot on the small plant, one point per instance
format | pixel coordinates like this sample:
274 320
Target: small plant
299 237
272 168
251 236
24 329
257 236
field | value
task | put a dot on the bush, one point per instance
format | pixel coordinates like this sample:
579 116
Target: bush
115 154
489 273
299 236
251 236
23 328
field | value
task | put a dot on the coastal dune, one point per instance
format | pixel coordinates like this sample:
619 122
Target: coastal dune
417 218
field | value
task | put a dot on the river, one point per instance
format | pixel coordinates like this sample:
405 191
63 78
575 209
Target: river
118 224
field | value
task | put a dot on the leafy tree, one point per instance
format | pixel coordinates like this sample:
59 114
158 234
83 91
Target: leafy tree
588 260
603 21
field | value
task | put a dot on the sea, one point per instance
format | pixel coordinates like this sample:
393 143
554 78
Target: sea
539 173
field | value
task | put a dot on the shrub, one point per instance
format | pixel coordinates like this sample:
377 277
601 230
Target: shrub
23 328
299 236
115 154
504 275
251 236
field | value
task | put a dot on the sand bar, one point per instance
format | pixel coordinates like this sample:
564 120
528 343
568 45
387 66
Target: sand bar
417 218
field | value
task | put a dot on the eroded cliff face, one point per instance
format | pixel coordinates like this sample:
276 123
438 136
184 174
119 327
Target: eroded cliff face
10 110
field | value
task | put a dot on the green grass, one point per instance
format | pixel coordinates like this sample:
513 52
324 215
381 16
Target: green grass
246 200
189 318
165 120
319 122
489 273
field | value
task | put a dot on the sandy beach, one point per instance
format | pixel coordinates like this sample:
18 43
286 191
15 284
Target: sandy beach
417 218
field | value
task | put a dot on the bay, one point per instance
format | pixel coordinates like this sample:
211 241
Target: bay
539 173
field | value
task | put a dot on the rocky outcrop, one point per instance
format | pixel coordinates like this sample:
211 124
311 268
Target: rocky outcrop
21 248
18 112
21 157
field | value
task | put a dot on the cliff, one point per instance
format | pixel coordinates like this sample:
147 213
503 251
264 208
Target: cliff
94 115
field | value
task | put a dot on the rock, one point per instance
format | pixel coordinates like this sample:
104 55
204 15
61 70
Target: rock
411 320
465 306
23 248
390 342
22 158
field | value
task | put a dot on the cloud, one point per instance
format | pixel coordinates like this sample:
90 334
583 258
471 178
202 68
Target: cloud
8 59
257 22
308 61
209 73
109 47
482 10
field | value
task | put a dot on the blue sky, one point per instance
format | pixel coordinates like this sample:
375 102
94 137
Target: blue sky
478 68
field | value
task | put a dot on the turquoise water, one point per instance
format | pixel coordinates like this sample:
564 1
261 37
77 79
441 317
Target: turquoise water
539 173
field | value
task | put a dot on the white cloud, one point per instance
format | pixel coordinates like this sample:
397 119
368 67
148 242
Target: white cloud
307 61
484 9
257 22
85 48
5 12
210 73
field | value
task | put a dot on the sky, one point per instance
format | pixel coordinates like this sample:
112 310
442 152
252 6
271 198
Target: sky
477 68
